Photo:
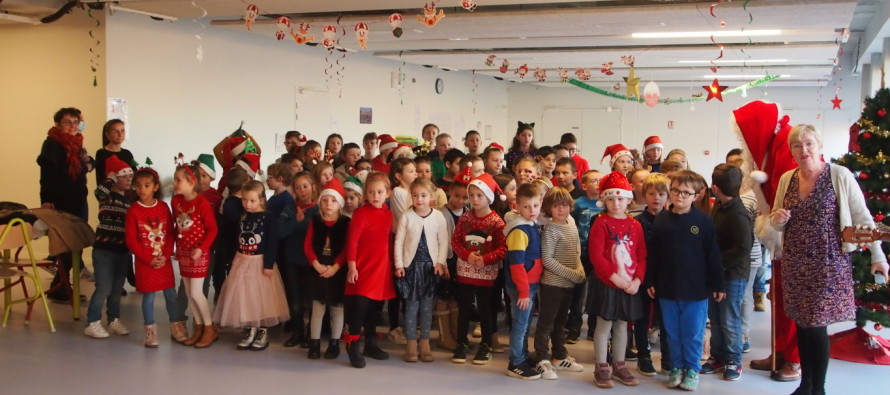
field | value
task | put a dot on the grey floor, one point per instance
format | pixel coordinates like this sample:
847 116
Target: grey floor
35 361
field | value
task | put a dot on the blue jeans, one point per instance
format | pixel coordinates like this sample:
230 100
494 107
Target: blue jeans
110 271
522 322
726 322
425 307
760 278
684 324
148 306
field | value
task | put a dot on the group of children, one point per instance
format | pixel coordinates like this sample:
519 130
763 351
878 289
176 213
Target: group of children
439 232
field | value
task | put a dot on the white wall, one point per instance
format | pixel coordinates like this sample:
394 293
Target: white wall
177 104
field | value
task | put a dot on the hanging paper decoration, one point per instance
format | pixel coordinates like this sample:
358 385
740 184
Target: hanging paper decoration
94 54
330 37
475 94
714 65
179 160
563 74
715 90
283 27
836 103
607 68
250 15
199 53
505 65
429 17
301 36
522 70
361 34
541 74
695 96
469 5
582 74
633 83
616 87
628 60
395 20
651 94
489 61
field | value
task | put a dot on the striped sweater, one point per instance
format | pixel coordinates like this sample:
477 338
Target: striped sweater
561 253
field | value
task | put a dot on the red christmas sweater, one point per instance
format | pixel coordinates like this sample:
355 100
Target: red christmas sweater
149 231
617 246
378 165
214 198
195 225
484 235
368 245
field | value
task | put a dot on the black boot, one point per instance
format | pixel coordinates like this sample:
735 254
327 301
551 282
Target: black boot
296 338
314 348
372 350
333 350
352 349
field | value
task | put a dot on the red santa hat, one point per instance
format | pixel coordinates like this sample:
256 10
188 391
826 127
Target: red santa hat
615 151
489 187
465 176
236 145
387 142
334 188
498 146
114 167
615 184
251 163
404 151
652 142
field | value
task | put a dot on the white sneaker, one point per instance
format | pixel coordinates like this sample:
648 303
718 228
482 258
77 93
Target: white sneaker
568 364
117 328
397 335
545 368
477 332
87 274
96 330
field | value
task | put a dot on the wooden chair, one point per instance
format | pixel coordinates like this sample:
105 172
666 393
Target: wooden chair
16 235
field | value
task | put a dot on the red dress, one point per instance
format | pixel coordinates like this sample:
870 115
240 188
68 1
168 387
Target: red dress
148 232
195 228
368 245
214 198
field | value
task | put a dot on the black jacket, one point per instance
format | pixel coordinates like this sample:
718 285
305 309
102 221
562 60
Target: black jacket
735 236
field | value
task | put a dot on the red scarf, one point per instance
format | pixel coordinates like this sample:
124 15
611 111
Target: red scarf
73 144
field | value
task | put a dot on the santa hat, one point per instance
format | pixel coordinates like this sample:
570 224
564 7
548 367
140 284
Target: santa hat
301 139
250 163
404 151
205 162
114 167
615 184
465 176
237 144
652 142
387 142
356 182
498 146
615 151
335 189
489 187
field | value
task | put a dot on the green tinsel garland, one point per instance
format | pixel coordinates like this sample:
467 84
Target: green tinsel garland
604 92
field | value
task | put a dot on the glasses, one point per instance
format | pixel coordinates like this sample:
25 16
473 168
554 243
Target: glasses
683 194
70 123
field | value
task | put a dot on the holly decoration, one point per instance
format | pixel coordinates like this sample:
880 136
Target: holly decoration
882 113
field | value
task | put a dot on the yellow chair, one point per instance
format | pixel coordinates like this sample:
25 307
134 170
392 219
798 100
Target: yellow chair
15 235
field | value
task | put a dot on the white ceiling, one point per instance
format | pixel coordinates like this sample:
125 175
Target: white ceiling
552 34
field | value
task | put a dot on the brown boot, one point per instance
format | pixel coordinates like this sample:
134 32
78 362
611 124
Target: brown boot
151 336
425 354
602 376
446 340
759 303
178 331
197 332
790 372
208 337
766 364
411 351
620 373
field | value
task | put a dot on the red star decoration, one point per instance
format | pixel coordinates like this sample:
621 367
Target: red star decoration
715 90
836 103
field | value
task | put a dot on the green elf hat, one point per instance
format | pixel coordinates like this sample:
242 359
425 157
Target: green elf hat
205 162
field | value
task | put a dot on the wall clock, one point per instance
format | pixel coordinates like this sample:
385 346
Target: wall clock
440 85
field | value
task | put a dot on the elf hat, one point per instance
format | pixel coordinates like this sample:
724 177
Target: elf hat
335 189
205 162
250 163
465 176
652 142
114 167
387 142
356 182
404 151
615 151
615 184
489 187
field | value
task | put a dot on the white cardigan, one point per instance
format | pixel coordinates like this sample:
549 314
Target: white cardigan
408 237
851 206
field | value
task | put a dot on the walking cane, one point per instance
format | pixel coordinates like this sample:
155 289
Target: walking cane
773 373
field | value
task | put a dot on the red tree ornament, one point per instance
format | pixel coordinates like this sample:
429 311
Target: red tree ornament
715 90
879 217
863 176
866 135
882 113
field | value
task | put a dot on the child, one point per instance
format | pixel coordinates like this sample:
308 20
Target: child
480 245
428 136
585 211
680 156
523 275
293 225
618 253
652 150
564 176
206 175
370 145
734 237
363 164
525 170
227 236
231 149
312 154
636 177
111 258
253 296
323 173
279 178
655 190
421 247
148 229
325 250
351 153
561 152
332 147
452 165
507 184
546 158
493 157
446 305
569 141
473 142
443 144
402 174
684 272
620 159
370 279
475 164
293 140
561 255
353 198
387 145
424 171
194 233
523 145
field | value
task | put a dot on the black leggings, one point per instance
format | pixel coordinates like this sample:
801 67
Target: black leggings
361 312
814 347
466 296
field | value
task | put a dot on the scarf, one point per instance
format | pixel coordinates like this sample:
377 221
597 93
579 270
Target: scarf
73 145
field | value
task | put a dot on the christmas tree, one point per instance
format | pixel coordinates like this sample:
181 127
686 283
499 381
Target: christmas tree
867 159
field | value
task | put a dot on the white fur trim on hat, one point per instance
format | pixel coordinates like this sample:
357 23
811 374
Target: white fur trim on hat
616 192
239 148
349 185
654 145
208 170
335 194
618 155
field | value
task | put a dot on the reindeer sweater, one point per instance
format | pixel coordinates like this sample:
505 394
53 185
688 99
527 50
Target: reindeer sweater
617 246
149 232
195 225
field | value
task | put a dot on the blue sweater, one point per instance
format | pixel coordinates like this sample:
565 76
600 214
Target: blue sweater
524 265
584 213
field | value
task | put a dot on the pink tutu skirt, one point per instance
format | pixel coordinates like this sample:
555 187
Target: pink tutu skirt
248 298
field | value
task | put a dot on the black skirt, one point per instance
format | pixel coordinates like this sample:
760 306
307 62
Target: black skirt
614 304
327 290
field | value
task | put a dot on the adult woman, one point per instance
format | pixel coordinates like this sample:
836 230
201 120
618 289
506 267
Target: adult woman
523 145
813 203
113 135
64 165
679 156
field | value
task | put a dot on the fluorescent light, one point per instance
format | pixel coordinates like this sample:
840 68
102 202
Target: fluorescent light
114 7
723 61
738 76
715 33
18 18
458 39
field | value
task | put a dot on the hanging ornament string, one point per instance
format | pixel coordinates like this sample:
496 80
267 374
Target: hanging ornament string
401 80
475 94
199 53
666 101
750 42
714 65
341 31
94 50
